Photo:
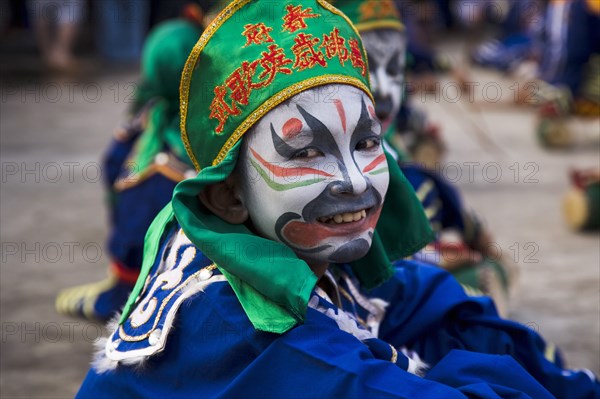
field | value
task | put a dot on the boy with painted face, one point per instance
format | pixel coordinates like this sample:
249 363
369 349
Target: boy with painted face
255 277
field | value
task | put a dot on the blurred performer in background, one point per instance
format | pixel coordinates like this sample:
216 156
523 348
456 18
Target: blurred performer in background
519 30
561 39
421 138
56 26
569 73
473 259
145 161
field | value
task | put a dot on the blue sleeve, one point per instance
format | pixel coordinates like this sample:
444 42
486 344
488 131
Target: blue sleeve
213 351
441 318
480 375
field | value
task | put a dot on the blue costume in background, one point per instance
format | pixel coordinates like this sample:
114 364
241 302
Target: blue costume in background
445 210
441 201
132 209
517 39
572 36
362 347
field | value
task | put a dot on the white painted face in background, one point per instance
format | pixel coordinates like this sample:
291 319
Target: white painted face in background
314 174
386 49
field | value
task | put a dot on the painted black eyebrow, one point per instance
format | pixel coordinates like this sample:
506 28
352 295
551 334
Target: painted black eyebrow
395 65
364 121
322 137
364 127
282 148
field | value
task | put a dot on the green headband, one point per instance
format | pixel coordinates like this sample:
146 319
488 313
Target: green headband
371 14
272 284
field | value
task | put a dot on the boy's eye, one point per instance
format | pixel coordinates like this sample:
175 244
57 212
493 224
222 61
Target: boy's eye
394 67
372 62
307 153
369 143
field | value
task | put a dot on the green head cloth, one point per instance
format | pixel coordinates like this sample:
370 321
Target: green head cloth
163 58
251 58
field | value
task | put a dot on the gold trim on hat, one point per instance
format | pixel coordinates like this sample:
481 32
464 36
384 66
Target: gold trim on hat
382 24
279 98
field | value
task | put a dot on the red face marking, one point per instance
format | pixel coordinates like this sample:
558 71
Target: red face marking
309 235
341 112
288 172
372 112
374 164
291 128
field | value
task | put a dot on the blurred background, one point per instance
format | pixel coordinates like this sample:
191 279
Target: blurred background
502 102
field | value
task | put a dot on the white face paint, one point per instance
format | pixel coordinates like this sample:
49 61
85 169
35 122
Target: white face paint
386 49
315 174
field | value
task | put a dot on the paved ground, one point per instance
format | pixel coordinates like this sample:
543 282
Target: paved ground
54 221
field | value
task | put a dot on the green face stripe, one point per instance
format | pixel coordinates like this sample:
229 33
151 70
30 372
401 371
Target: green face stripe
379 171
282 187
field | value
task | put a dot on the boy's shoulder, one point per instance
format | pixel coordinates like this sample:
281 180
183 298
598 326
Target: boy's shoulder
180 273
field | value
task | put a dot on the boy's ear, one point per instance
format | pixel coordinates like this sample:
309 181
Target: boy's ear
223 200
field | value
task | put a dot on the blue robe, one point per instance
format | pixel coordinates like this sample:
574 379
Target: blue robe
189 337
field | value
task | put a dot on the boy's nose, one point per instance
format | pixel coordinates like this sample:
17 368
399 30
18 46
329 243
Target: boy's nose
384 84
354 183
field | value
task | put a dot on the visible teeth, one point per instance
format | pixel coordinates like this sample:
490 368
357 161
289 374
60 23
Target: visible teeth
344 217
